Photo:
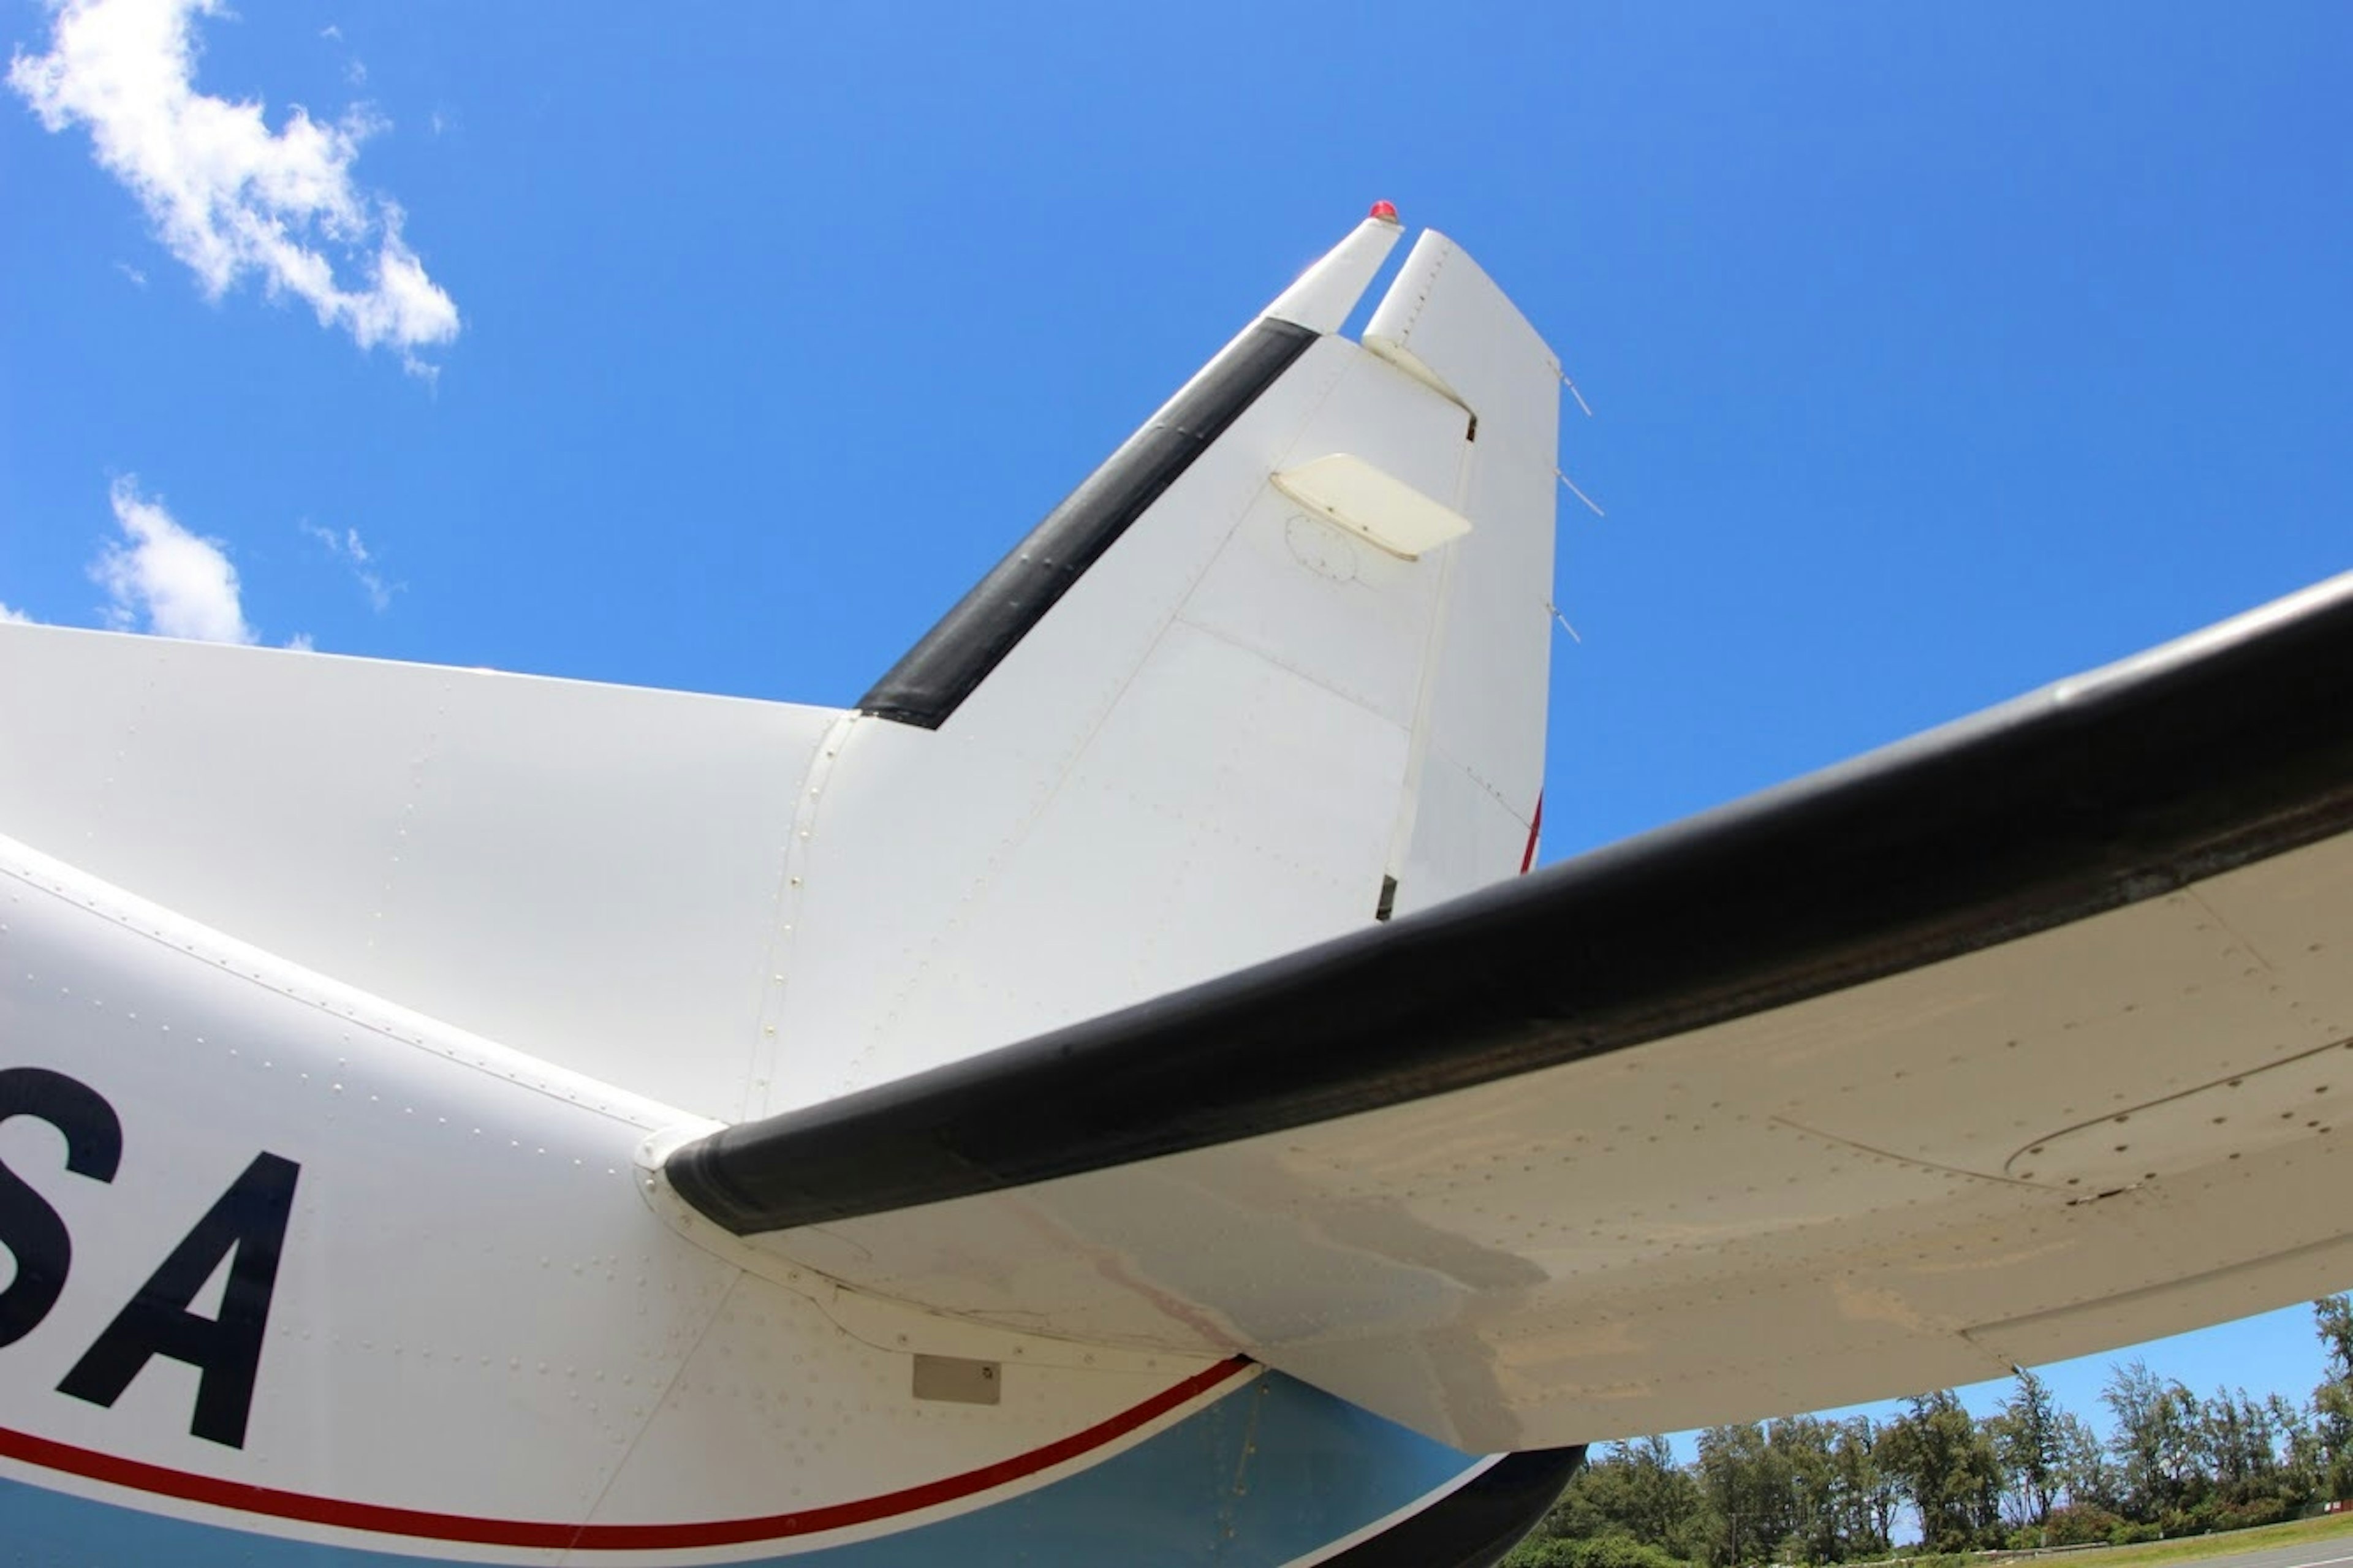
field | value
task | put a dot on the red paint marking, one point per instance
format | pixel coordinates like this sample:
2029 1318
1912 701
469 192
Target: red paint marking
1535 826
155 1478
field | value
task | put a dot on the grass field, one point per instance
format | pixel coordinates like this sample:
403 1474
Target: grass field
2328 1526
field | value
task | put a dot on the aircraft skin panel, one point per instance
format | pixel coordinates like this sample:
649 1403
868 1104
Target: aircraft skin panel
476 1340
1266 1472
1461 832
587 873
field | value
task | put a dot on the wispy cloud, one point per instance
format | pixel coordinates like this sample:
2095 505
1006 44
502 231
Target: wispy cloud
348 547
138 278
18 617
229 196
159 577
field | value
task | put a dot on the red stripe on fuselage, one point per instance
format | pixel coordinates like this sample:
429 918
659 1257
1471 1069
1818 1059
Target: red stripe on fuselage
385 1520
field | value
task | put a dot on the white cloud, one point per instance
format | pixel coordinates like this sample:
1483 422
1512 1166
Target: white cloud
349 547
138 278
228 196
16 617
162 578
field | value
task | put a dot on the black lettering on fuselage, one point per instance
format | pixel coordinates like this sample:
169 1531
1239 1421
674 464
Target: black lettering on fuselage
249 1220
30 1228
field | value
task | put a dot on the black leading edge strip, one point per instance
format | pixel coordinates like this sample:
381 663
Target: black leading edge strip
1474 1525
956 656
2222 749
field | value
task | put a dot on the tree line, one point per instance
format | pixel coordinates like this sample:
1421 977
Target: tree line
1809 1491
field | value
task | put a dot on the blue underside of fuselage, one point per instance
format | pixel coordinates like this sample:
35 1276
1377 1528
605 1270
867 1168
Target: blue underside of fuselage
1266 1474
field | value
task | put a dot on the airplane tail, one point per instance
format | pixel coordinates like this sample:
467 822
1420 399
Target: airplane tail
1277 670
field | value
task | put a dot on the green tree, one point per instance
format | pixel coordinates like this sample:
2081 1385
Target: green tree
2026 1437
1803 1444
1867 1493
1947 1466
2156 1443
2303 1464
1750 1489
1635 1490
2333 1319
2085 1476
2332 1402
2238 1446
1806 1489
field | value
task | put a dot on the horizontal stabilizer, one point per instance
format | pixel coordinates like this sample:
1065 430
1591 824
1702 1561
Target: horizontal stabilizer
2009 1042
586 873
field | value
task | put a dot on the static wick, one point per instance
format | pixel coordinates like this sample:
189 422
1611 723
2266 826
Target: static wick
1565 625
1580 494
1566 382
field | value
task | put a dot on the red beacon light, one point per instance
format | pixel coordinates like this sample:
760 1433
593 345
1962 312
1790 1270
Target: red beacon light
1385 211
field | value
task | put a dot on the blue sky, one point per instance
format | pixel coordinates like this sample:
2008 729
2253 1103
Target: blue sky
1937 352
2274 1353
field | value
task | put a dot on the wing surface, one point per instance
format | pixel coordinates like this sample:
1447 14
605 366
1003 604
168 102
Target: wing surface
2020 1040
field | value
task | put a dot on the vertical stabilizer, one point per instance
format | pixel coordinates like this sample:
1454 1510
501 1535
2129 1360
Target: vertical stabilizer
1275 670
